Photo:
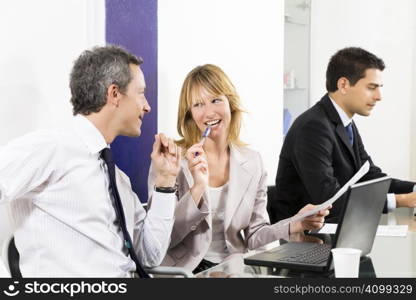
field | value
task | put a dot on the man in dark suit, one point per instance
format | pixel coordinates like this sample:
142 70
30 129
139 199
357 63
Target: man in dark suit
323 148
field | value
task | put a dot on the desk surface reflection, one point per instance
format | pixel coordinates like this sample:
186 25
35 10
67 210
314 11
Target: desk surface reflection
390 256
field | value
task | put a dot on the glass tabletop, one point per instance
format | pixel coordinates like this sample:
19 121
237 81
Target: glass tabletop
391 256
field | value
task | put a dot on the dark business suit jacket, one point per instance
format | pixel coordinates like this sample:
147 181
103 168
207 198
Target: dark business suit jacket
316 160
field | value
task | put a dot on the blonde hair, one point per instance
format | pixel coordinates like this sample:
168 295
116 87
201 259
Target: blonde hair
216 82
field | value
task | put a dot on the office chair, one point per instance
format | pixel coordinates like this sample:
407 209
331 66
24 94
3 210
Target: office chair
271 199
11 257
11 261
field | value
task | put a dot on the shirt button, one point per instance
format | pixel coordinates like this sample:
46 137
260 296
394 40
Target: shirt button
193 227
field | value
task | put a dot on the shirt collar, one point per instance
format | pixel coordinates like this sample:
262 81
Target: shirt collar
344 117
89 134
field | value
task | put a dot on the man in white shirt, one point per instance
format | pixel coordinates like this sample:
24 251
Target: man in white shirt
58 185
323 148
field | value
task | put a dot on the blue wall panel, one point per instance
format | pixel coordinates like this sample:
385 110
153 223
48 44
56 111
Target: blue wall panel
133 25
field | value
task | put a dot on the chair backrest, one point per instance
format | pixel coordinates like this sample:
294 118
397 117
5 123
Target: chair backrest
11 257
14 259
271 199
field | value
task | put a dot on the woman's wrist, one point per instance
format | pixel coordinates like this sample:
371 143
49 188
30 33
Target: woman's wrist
295 227
197 191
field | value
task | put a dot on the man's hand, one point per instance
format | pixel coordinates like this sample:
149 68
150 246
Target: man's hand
406 200
166 157
309 223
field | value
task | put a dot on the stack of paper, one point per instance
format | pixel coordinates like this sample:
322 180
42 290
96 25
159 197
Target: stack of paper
382 230
392 230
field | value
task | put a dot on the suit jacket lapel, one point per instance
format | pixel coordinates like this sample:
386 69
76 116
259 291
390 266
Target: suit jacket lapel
239 181
342 134
339 127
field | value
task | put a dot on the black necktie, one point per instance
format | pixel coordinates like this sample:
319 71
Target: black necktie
350 133
107 156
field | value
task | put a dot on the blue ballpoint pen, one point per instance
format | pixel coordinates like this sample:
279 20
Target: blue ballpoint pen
206 133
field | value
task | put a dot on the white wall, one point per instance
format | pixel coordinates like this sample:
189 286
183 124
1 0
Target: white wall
413 120
40 41
244 38
386 28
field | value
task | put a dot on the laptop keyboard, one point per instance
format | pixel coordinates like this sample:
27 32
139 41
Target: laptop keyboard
315 254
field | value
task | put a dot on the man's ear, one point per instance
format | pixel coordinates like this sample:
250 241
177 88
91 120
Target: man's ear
343 84
113 95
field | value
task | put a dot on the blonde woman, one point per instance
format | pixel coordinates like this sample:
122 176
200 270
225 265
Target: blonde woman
222 187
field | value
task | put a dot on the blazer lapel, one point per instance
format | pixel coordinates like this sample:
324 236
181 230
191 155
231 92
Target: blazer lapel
339 127
239 181
342 134
356 147
187 173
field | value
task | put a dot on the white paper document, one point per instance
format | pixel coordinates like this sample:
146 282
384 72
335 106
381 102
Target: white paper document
382 230
361 172
329 228
392 230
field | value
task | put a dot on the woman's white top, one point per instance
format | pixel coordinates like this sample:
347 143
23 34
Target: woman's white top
217 251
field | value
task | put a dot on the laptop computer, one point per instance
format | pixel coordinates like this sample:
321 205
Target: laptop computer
357 229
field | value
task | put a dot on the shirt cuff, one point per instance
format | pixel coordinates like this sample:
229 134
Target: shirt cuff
391 202
414 188
163 204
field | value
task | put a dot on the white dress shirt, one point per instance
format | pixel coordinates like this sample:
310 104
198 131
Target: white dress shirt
66 225
391 198
342 114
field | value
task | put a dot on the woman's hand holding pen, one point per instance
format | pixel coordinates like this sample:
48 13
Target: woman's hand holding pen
198 166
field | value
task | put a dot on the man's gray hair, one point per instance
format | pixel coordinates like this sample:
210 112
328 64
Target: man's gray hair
94 71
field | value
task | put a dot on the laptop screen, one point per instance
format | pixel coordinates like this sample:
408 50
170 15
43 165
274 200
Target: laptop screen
362 211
